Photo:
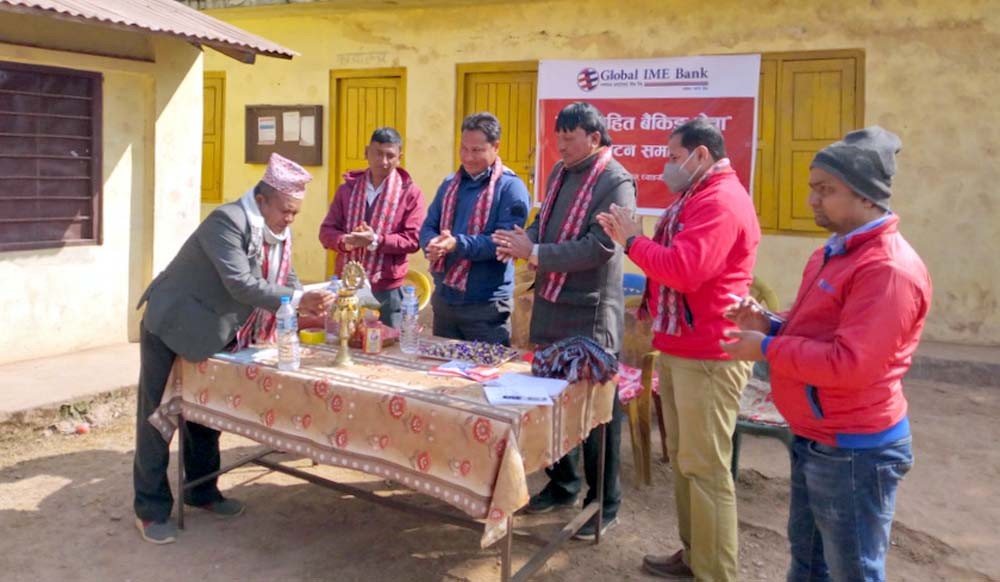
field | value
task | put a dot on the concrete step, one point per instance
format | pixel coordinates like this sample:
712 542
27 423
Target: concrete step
956 364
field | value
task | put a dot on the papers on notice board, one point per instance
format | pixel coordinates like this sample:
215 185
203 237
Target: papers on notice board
267 130
523 390
464 369
290 126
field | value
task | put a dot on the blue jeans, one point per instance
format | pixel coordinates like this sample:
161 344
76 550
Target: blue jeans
841 511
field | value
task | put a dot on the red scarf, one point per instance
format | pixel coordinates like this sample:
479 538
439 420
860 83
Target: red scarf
668 301
262 324
573 224
382 216
458 275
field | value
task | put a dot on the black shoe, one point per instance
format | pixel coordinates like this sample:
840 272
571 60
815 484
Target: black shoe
589 530
547 500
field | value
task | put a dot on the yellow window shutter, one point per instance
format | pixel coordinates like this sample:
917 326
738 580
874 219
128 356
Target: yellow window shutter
765 195
214 95
818 102
506 90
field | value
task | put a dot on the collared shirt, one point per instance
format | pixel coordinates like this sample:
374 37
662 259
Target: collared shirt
837 244
371 192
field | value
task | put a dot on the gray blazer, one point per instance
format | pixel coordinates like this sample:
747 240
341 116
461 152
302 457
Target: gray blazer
592 302
209 290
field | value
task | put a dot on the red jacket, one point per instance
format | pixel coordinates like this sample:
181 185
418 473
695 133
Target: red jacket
837 364
712 255
402 239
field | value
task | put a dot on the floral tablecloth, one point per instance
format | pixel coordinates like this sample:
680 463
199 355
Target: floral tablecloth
387 417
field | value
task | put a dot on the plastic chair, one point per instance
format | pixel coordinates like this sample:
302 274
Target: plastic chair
422 283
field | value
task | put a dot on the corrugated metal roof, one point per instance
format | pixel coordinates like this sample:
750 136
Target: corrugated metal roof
166 17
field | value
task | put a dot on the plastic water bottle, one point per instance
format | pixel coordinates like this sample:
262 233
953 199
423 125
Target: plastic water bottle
332 326
288 336
409 336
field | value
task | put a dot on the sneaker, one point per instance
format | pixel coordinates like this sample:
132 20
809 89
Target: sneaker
589 530
669 567
223 507
547 500
157 532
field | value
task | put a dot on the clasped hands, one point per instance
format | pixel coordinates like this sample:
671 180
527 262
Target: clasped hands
512 244
440 245
361 237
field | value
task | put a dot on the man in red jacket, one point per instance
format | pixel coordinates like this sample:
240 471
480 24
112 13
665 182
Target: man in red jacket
375 218
703 249
837 360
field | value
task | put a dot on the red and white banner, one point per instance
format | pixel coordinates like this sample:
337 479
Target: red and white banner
643 101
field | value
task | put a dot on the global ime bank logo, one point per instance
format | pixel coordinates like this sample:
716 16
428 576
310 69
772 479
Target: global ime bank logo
685 78
587 79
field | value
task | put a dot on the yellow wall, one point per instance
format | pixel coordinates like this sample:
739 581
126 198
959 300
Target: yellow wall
58 300
930 77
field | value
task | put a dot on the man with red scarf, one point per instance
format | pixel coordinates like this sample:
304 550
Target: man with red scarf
375 219
578 286
703 250
472 288
221 289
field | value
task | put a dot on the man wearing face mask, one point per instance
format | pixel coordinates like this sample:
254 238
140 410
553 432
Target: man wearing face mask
578 288
221 290
703 249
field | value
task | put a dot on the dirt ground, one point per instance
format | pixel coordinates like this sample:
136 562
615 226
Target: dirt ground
65 514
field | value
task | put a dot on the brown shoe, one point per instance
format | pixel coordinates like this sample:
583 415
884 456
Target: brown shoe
671 567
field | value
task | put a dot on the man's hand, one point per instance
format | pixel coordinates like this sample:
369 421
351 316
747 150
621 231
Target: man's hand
746 347
620 223
512 243
316 302
748 315
440 245
362 236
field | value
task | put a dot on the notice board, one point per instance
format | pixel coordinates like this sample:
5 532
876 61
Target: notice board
294 131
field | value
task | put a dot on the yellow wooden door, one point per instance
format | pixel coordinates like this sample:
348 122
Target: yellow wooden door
362 101
764 183
508 91
819 106
214 95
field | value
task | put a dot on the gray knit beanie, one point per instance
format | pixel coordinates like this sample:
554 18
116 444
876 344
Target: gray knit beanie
865 160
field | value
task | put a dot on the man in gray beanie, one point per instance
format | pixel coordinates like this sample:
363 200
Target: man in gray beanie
837 360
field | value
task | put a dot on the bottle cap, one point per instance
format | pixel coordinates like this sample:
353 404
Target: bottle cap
409 289
285 299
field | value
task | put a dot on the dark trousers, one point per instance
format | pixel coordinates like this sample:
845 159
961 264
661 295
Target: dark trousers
565 478
841 509
153 499
485 322
392 306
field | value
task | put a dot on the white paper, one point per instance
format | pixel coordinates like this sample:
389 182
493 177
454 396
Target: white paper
266 130
307 130
290 126
516 396
249 355
549 386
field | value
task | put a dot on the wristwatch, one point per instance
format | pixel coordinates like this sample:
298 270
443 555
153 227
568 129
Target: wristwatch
628 243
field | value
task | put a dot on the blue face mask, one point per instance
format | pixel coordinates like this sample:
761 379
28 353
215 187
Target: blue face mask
676 177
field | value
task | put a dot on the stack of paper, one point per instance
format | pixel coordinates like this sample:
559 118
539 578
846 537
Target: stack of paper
523 390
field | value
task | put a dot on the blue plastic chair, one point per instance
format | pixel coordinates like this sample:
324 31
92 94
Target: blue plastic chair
634 284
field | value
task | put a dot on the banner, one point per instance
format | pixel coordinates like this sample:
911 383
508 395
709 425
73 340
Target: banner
643 101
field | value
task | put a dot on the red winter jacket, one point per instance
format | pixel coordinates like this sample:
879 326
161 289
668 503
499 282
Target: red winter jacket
838 362
403 237
712 255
